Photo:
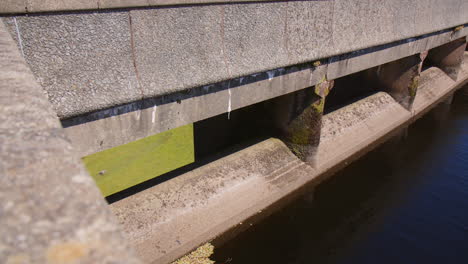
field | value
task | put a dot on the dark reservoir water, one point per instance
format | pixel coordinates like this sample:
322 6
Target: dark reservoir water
405 202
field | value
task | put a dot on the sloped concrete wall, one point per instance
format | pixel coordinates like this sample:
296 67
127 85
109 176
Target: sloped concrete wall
95 60
51 210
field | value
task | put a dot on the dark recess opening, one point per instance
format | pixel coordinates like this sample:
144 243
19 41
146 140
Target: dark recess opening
215 138
349 89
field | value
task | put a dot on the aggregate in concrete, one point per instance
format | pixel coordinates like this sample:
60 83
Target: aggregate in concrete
83 61
178 48
254 37
148 52
309 30
51 210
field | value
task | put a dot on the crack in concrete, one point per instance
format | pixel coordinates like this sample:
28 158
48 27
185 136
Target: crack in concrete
132 47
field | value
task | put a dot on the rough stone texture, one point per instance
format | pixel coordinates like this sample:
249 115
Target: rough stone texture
83 61
32 6
254 37
309 30
123 124
178 48
360 22
51 210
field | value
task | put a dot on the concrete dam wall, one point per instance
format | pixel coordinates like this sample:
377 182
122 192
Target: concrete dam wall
325 81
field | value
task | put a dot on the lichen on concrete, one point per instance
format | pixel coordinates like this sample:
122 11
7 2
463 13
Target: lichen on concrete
200 255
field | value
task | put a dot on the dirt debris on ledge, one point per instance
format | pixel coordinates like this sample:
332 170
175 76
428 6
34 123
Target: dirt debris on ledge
199 256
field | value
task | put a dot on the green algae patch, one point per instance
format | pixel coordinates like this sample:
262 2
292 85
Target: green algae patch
127 165
200 255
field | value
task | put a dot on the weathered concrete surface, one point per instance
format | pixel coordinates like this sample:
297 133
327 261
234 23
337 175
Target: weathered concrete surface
400 79
364 59
174 217
51 210
183 213
178 48
124 124
449 57
33 6
298 116
435 85
83 61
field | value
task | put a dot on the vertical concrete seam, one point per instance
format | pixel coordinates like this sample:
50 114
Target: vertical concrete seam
132 47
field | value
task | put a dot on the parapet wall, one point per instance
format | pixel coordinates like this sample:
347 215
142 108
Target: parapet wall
51 210
93 60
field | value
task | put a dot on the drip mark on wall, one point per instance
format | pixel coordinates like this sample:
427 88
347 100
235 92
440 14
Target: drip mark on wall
153 115
138 113
19 36
271 74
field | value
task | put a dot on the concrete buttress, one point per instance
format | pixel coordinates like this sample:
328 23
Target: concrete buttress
400 78
298 116
449 57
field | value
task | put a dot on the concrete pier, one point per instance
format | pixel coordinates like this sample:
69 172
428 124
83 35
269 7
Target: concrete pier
400 79
449 57
299 118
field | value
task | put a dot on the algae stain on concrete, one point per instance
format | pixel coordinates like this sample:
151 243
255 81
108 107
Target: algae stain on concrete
199 256
127 165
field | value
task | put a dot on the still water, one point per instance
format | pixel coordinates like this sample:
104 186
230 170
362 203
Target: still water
405 202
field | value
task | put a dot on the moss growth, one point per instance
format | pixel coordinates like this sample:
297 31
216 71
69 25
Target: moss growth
319 105
413 87
201 255
459 28
124 166
317 63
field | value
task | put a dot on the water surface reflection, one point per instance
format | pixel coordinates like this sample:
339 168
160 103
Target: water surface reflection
405 202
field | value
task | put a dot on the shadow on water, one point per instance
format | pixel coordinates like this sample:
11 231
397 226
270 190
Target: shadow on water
404 202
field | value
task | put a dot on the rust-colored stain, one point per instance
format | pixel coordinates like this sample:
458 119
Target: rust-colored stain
66 252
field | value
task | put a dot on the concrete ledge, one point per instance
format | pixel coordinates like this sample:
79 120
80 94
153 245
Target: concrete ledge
181 214
121 56
35 6
51 210
123 124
